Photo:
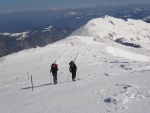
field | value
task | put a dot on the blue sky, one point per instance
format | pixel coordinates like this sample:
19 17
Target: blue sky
21 5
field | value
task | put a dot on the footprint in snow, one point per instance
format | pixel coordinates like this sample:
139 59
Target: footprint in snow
110 100
106 74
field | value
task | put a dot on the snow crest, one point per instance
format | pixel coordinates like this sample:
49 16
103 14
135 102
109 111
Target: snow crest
112 28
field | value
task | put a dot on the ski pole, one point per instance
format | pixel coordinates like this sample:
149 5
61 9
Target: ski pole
58 77
50 78
78 76
68 77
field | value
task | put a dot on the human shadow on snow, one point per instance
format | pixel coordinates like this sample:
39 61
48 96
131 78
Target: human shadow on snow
44 85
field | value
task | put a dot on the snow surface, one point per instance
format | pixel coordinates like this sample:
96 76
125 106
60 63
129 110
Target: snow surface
112 28
48 28
111 79
21 35
146 18
130 55
71 13
5 34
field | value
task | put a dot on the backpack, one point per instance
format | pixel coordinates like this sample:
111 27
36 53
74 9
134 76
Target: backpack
56 65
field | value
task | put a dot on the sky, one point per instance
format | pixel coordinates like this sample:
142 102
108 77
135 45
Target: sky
27 5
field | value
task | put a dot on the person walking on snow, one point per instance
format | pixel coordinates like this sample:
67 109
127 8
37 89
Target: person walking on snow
73 69
54 70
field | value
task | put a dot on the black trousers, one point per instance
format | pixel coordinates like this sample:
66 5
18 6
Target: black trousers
73 75
55 77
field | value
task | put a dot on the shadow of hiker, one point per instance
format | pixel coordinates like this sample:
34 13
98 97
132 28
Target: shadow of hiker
44 85
36 86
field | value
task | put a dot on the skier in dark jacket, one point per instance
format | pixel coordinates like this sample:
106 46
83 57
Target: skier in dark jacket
73 69
54 70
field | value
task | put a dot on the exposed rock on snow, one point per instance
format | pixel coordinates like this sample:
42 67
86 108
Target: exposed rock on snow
125 42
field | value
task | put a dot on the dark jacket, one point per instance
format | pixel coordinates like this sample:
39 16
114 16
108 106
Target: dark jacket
54 68
73 67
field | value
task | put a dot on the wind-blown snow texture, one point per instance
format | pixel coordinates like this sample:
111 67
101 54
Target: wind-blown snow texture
113 78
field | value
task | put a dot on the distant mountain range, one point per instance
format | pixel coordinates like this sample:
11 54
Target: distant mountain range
24 30
14 42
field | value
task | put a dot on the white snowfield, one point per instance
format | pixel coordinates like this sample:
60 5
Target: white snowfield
113 78
130 55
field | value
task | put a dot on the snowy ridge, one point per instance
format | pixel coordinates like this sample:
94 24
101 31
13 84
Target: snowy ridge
71 13
147 19
112 78
21 35
112 28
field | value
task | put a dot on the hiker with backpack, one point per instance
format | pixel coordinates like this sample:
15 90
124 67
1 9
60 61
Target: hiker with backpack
73 69
54 69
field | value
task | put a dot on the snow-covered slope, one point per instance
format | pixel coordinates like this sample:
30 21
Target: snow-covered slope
135 31
147 19
113 78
